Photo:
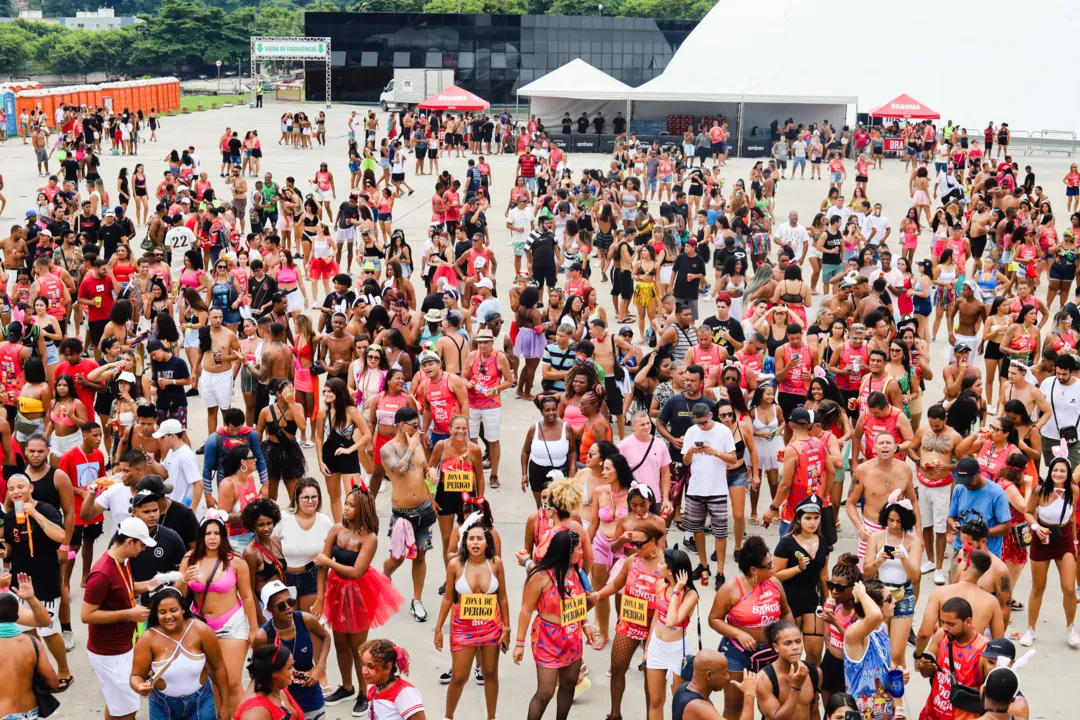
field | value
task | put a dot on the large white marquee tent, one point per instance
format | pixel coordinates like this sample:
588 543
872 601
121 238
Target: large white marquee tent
811 60
576 87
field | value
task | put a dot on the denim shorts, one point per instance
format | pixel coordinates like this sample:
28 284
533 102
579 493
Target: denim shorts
652 183
834 177
738 660
197 706
798 163
736 478
905 607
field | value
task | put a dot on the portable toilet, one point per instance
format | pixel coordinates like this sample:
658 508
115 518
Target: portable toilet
157 92
146 93
84 98
7 99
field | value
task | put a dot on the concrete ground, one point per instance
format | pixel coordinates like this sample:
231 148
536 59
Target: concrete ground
1041 683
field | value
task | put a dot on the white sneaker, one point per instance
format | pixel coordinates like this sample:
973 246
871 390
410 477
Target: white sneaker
419 613
69 640
928 566
1028 638
939 577
991 410
1072 637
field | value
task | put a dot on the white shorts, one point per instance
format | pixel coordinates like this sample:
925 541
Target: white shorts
665 655
12 276
321 195
236 628
813 252
489 418
53 606
296 300
59 445
112 673
972 341
216 389
934 506
346 235
665 273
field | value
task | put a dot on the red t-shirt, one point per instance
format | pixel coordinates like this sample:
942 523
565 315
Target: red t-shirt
82 391
92 287
528 165
110 589
83 469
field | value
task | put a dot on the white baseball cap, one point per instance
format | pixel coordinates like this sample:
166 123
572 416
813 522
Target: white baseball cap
136 529
169 427
272 588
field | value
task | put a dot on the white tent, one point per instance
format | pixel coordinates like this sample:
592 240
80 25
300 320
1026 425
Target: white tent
575 87
790 71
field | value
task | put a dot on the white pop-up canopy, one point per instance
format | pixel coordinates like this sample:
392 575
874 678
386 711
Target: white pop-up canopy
576 87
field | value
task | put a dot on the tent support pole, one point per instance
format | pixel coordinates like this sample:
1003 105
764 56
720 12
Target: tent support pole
629 110
738 131
517 106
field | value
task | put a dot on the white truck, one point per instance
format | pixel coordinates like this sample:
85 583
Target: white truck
411 87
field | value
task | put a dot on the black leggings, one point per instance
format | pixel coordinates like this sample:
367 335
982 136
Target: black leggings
546 679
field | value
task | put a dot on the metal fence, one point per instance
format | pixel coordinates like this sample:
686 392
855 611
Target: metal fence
1045 141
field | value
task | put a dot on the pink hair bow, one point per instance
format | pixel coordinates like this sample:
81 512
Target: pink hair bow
644 489
1062 450
215 514
895 499
819 372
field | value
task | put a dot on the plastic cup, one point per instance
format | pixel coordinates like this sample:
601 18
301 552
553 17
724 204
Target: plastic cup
20 514
894 683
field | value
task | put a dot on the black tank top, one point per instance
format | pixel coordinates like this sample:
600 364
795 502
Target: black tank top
833 242
683 697
45 490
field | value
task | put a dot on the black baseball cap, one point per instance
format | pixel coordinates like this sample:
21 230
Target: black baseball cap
966 470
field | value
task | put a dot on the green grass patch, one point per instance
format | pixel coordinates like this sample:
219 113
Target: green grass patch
192 102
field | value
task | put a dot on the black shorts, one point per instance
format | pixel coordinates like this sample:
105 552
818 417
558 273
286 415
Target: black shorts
546 275
432 153
406 133
449 502
978 245
97 329
89 533
614 395
306 582
622 284
928 145
717 148
397 177
861 179
703 152
993 351
538 474
832 673
788 402
226 157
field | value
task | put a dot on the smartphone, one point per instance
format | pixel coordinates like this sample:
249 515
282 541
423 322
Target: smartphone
852 715
889 550
927 657
699 443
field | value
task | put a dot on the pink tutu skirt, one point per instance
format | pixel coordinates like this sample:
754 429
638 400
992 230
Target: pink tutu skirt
352 606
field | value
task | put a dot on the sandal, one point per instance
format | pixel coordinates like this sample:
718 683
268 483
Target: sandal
493 482
65 683
1016 605
753 520
600 644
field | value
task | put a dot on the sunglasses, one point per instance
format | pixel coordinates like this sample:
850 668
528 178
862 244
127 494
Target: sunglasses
414 426
727 415
838 587
637 543
285 605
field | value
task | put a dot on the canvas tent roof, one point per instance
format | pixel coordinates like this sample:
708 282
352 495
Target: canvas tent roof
721 59
905 106
454 98
577 79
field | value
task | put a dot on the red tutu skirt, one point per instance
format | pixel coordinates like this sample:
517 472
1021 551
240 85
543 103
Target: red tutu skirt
320 268
352 606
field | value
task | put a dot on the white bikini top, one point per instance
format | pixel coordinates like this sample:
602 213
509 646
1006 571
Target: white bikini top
183 676
1056 512
462 585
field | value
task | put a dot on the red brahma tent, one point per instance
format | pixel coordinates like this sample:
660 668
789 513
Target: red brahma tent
454 98
907 107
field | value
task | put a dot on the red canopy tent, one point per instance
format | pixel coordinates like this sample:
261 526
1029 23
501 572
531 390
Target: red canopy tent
454 98
907 107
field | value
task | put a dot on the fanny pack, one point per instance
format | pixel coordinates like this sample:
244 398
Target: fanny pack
963 697
1068 434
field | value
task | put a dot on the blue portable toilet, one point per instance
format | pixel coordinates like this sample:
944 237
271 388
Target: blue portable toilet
7 97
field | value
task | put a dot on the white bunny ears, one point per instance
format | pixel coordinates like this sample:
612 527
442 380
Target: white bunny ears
1004 664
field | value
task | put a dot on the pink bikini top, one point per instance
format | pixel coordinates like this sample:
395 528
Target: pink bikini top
604 512
572 415
286 275
224 583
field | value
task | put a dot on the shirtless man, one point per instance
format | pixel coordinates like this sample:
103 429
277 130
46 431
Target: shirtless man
41 152
604 346
14 249
797 694
934 453
404 459
955 372
970 313
239 187
878 327
409 322
453 346
340 349
996 581
874 481
1015 386
986 612
872 302
275 359
978 228
216 380
841 302
140 436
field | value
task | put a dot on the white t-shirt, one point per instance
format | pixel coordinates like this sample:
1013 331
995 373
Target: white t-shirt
521 218
180 237
796 237
799 148
299 546
117 500
842 212
708 474
880 223
1065 406
183 472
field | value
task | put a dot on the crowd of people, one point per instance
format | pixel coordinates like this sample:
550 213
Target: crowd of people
227 572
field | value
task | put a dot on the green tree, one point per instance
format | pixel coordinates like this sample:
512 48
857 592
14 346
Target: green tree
15 48
502 7
176 36
386 6
584 7
322 6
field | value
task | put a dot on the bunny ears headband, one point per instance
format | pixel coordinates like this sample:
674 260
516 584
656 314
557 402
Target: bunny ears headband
215 514
1004 664
896 499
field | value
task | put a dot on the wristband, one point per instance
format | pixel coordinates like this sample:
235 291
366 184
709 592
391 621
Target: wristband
65 548
774 508
519 643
